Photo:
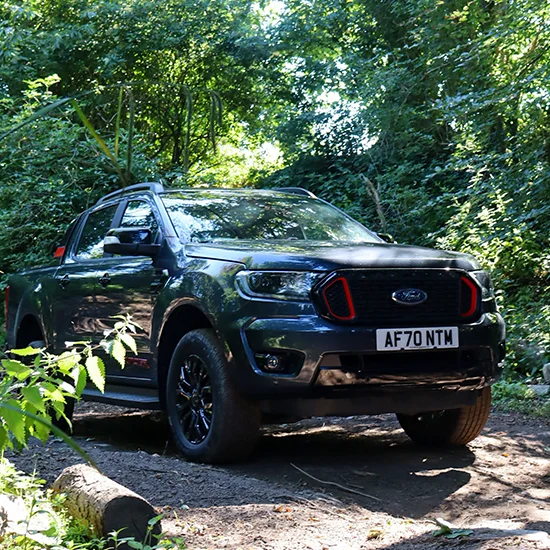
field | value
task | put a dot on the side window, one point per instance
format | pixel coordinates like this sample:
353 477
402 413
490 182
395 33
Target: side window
140 214
98 223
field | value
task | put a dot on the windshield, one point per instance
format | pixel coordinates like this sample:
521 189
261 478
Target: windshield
213 216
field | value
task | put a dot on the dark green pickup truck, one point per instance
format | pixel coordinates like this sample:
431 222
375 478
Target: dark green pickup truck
266 305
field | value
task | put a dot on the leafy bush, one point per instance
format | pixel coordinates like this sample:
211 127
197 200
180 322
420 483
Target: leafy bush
520 397
35 388
41 521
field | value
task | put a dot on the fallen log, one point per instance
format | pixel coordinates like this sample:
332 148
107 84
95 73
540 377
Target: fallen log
103 504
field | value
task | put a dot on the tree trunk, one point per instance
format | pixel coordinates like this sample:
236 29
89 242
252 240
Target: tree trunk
103 504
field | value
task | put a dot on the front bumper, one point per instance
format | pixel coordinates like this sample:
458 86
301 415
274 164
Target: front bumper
333 360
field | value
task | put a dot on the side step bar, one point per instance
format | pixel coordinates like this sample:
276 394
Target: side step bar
136 398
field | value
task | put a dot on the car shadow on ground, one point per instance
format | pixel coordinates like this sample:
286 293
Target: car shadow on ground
365 460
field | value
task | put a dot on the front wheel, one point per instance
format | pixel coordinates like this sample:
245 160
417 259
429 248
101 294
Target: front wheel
210 421
453 427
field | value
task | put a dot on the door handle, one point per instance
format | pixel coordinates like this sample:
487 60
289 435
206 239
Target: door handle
64 281
104 280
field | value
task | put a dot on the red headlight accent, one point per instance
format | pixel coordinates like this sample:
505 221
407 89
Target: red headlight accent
59 251
6 304
347 294
472 303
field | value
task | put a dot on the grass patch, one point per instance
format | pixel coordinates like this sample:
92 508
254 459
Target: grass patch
520 397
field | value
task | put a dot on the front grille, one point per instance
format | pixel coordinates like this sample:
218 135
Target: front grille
448 297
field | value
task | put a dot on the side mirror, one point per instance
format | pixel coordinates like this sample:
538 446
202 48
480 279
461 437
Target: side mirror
387 238
130 241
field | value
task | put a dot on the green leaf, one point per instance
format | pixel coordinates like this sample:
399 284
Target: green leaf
444 525
57 396
36 115
449 531
118 352
129 341
15 419
50 532
33 396
3 437
459 533
153 521
98 139
24 352
8 406
16 368
67 360
96 372
41 431
79 376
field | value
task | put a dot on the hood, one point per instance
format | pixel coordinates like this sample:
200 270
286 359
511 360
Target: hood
328 256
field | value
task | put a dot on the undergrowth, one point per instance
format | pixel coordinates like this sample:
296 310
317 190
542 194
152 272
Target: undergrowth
520 397
37 520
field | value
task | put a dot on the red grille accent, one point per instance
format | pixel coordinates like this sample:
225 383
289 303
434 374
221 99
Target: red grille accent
453 297
338 298
468 297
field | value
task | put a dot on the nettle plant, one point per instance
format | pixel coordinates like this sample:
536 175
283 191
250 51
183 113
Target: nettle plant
37 386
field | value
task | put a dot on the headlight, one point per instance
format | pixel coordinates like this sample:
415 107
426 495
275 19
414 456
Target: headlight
484 280
280 285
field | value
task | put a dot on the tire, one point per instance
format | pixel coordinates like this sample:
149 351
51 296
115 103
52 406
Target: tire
58 421
453 427
210 421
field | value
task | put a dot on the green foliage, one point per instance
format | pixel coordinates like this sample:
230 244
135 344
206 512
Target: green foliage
518 396
443 107
35 388
43 523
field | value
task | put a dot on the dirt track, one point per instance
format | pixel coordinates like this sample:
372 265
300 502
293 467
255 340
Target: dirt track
499 486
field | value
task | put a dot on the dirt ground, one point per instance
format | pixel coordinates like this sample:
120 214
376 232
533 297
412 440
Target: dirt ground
499 486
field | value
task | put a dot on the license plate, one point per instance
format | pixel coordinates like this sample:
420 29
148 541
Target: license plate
395 339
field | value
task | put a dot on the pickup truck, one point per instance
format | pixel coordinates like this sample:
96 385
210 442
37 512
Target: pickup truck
266 305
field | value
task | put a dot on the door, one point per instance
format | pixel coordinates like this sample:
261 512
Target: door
75 281
129 285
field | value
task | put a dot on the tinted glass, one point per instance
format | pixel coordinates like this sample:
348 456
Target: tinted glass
98 223
140 214
207 217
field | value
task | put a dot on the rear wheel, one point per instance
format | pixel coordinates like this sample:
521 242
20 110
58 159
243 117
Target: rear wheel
453 427
210 421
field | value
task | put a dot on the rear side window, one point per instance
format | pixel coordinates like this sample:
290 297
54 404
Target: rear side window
90 245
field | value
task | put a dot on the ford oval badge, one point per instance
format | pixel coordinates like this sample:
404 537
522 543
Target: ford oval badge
409 296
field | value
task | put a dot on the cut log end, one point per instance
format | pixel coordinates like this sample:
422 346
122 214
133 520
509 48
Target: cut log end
105 505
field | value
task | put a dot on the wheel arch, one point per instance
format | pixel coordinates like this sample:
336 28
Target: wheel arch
29 330
182 319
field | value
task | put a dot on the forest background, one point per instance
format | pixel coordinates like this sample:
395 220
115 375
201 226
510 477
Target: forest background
426 119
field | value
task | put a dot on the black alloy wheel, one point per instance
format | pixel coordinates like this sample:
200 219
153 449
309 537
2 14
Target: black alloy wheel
210 420
194 400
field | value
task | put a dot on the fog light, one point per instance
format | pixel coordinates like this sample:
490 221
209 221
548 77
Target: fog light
269 362
284 362
272 362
